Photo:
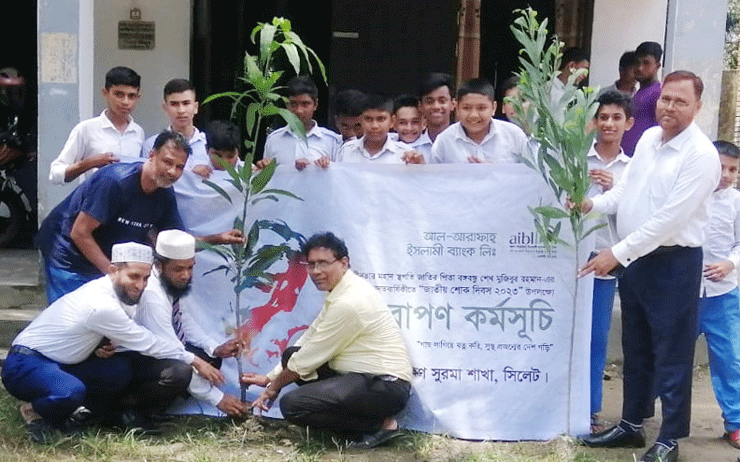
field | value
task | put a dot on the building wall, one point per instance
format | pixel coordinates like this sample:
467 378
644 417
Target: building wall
169 59
78 43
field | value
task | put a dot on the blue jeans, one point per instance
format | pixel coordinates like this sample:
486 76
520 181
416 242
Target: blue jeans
601 319
719 321
56 390
60 282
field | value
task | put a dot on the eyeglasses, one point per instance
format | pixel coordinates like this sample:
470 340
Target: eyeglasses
319 265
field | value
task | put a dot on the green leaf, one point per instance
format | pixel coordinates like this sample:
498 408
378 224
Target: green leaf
262 198
281 192
224 268
552 212
266 36
592 229
219 190
295 123
264 176
293 58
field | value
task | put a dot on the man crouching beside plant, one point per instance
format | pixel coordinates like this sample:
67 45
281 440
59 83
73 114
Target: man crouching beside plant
352 364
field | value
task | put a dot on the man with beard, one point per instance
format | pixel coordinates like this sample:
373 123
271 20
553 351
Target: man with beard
119 203
56 364
161 312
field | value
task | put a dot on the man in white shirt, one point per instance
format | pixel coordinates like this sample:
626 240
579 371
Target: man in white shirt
163 311
181 107
352 363
111 137
65 364
662 205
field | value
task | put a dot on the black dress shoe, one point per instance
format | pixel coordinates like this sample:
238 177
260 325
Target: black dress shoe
615 437
660 453
373 440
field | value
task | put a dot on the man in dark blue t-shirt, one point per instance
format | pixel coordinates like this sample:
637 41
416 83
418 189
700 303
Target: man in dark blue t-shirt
119 203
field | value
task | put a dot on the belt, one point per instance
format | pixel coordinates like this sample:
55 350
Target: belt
21 350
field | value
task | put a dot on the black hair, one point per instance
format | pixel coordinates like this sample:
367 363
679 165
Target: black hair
575 55
727 149
377 102
434 80
477 86
302 85
649 49
348 103
181 144
405 101
222 135
177 86
628 58
122 75
616 98
328 241
686 75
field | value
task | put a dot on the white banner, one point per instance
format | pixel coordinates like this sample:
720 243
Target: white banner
486 312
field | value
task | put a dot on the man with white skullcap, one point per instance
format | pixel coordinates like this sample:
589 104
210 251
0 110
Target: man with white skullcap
163 311
57 365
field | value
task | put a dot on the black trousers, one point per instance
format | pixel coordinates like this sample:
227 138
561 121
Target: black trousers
157 382
660 295
350 404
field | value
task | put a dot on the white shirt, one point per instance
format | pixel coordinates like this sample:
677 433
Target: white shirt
71 328
723 239
422 144
606 236
504 143
197 142
663 196
354 152
155 313
285 146
97 136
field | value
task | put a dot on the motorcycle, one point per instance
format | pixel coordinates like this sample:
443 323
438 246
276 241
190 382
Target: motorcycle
15 208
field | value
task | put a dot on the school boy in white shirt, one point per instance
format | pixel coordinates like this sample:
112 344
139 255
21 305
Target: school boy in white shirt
408 125
376 146
285 146
719 305
478 137
111 137
181 106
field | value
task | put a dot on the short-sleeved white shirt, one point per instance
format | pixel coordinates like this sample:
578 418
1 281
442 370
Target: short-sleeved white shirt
391 153
504 143
285 146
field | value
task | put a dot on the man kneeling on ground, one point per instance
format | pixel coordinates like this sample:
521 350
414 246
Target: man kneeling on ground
352 363
65 365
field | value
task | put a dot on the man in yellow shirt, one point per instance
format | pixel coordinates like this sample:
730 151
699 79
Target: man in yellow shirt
352 363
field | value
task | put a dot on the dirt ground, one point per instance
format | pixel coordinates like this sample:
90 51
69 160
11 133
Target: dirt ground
704 444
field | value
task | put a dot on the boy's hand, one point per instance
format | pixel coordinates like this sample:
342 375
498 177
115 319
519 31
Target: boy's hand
413 157
302 163
262 163
100 160
603 178
477 160
203 171
323 161
717 271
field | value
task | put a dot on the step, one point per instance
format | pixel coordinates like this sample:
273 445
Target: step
12 321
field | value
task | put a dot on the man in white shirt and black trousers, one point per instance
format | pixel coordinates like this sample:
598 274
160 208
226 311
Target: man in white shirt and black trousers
65 365
662 206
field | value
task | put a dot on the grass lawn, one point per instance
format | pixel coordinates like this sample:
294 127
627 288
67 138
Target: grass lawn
198 439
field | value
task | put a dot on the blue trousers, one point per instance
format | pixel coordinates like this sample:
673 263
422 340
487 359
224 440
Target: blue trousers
601 319
60 282
719 321
660 297
56 390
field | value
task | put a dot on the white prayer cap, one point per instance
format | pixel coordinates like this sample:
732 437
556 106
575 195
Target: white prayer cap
131 252
175 245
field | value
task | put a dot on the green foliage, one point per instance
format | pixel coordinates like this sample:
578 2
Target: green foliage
261 99
558 128
732 35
